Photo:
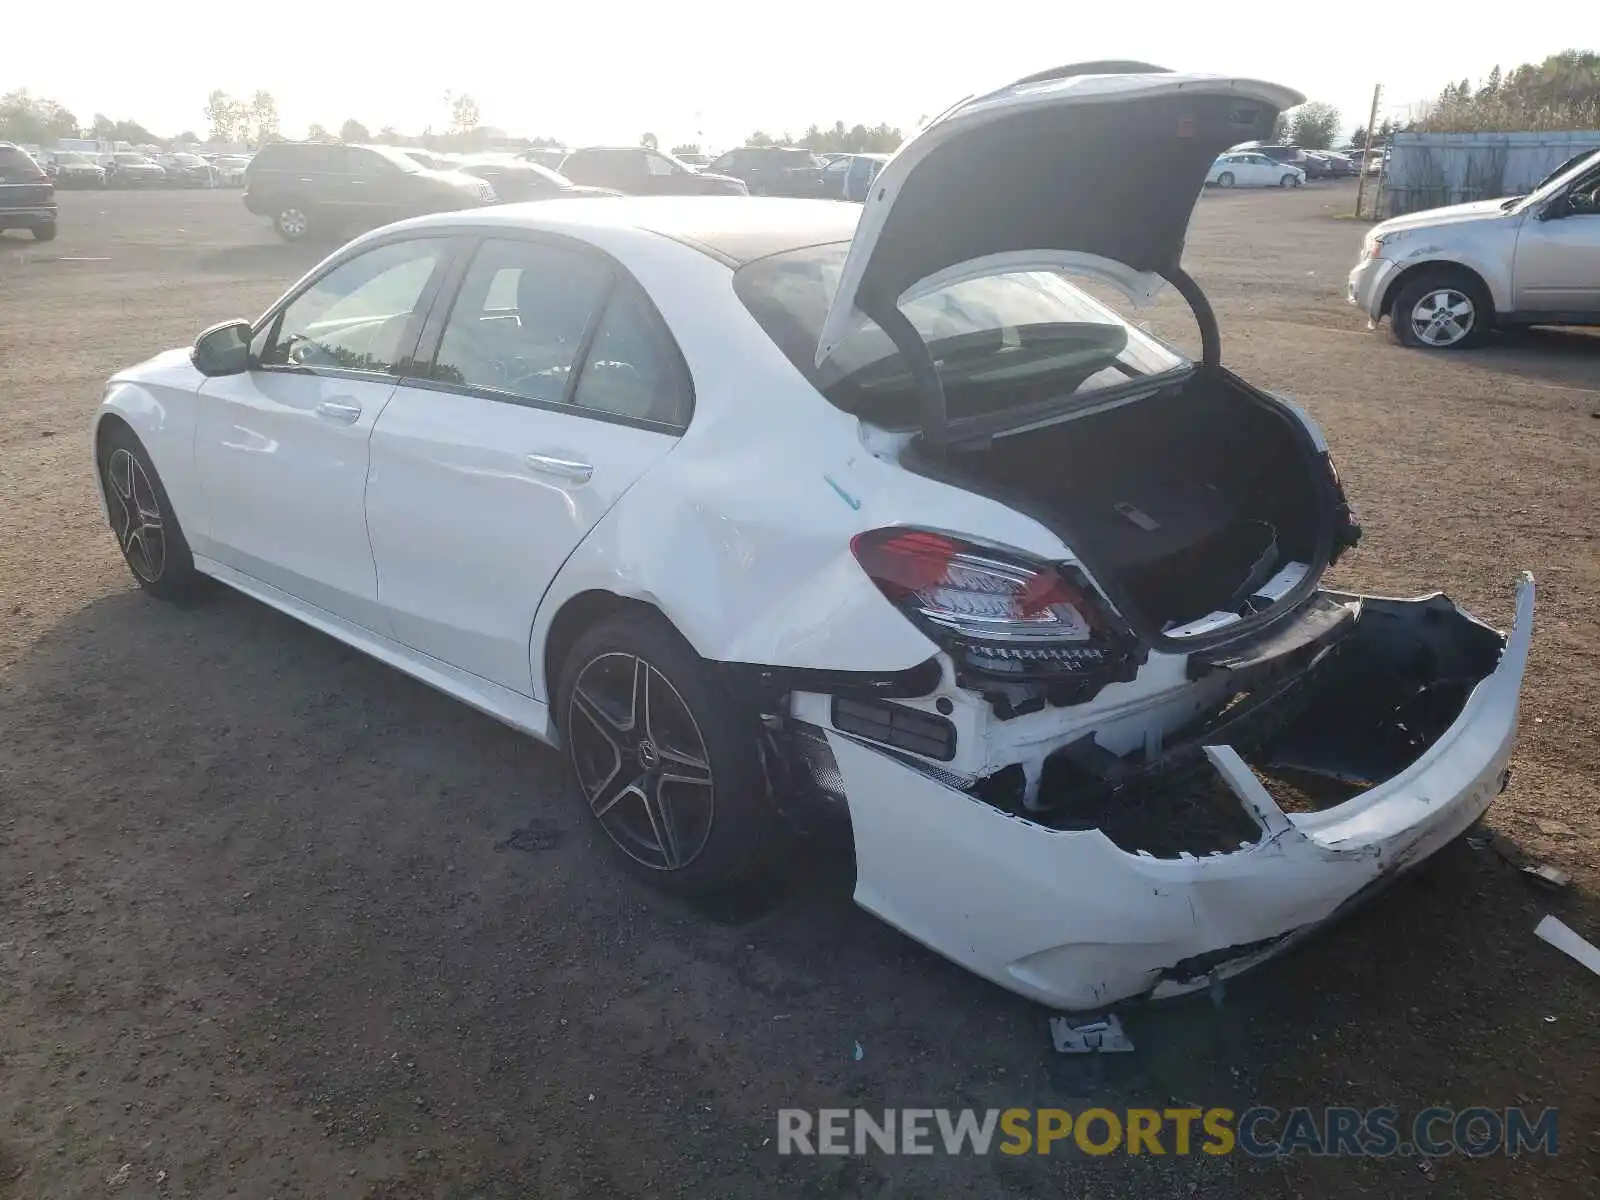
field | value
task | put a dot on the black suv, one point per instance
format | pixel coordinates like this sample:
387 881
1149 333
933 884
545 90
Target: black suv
775 170
306 186
27 196
640 171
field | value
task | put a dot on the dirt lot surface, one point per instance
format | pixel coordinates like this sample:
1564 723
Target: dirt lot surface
276 921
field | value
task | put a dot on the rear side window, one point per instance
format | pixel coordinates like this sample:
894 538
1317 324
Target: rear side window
16 166
633 369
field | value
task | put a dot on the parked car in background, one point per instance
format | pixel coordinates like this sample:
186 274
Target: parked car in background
642 172
307 187
1252 169
188 170
850 176
546 156
1014 594
75 169
515 179
27 196
425 158
1446 276
1339 166
775 170
1315 166
1276 151
130 168
230 168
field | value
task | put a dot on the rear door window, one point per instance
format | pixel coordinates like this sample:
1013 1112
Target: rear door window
16 166
518 322
633 369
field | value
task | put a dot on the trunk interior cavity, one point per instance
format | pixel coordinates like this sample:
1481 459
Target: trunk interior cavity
1183 504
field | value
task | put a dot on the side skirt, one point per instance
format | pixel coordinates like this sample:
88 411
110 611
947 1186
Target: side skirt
521 712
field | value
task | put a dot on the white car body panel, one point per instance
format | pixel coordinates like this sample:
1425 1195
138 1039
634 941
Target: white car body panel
1073 921
468 529
280 464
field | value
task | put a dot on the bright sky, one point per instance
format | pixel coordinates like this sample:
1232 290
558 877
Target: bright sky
609 70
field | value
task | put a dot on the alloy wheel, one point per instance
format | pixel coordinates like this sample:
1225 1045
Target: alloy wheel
1443 317
136 516
292 222
641 761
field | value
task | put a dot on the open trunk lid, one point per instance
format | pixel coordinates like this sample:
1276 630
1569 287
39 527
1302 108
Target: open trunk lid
1077 166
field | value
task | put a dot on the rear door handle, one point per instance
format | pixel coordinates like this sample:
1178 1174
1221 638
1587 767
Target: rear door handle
337 413
562 468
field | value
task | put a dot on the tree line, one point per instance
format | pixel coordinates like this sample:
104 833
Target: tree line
1560 93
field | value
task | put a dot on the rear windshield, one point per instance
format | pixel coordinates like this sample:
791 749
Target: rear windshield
15 164
1005 341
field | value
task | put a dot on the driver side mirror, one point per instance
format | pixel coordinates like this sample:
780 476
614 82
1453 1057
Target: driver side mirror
223 349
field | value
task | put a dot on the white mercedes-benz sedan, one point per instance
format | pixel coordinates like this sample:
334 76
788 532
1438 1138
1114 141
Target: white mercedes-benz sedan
769 509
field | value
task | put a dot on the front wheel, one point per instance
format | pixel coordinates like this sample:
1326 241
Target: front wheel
667 763
1225 179
146 528
1440 312
45 233
1289 181
293 221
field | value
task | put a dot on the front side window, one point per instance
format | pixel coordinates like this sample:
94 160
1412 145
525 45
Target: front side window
656 165
518 323
360 316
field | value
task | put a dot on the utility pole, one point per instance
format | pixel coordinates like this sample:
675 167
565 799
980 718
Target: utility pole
1366 152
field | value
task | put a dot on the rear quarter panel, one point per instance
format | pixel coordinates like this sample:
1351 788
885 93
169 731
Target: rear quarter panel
741 534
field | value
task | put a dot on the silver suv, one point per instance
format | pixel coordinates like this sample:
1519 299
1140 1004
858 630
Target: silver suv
1446 276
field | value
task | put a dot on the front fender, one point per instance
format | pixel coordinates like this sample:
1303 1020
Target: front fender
1495 271
157 401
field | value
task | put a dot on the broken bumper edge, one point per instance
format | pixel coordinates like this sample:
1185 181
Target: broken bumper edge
1069 919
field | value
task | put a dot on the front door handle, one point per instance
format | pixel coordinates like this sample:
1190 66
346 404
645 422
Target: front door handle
563 468
337 413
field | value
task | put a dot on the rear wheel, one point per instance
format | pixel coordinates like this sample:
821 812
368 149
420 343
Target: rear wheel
667 763
1225 179
293 220
1441 311
147 530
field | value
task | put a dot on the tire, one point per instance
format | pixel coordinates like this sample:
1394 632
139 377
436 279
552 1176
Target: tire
155 549
1416 313
293 220
1288 181
1225 179
679 792
45 233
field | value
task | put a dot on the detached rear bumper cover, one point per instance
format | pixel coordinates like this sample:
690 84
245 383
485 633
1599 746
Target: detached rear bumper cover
1073 921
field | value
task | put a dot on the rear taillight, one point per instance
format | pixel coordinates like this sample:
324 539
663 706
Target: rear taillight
998 612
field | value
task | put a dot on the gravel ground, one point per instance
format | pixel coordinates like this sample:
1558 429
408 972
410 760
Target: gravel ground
276 921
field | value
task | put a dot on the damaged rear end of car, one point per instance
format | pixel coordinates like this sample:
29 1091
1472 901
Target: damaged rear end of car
1162 753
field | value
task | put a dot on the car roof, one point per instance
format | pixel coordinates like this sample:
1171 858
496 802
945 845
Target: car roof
734 229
